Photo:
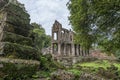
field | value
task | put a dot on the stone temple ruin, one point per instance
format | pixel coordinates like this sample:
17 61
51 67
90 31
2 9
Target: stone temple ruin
63 42
15 40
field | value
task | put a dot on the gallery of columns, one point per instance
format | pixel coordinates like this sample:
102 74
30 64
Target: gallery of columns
63 42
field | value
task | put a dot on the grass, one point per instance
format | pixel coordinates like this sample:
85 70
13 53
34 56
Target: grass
94 66
117 65
98 64
75 71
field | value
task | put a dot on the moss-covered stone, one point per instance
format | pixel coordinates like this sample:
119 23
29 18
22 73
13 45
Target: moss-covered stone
17 10
15 41
15 29
14 38
17 51
13 19
17 69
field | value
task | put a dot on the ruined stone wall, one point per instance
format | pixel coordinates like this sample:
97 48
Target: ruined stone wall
63 42
15 31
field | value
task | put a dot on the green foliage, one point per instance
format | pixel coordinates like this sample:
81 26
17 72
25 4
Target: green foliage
118 54
100 68
96 22
75 72
41 40
96 64
81 23
48 64
41 74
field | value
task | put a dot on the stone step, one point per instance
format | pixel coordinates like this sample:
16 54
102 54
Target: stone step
16 11
20 61
14 38
4 26
8 49
17 68
13 19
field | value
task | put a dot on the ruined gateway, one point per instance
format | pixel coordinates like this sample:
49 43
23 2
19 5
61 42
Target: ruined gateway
63 43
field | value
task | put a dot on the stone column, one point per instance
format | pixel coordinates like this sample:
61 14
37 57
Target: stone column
64 49
82 51
73 50
77 50
70 50
59 49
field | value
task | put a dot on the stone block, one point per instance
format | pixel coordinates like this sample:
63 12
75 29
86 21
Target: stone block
16 10
14 50
14 38
15 15
4 26
17 68
13 19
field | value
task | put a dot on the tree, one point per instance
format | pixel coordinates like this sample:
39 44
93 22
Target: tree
108 24
81 20
96 21
41 40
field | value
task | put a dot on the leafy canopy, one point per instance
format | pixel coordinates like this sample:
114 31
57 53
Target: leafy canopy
96 21
41 40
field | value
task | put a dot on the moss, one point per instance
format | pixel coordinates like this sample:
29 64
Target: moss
18 29
14 9
14 38
41 74
95 64
16 69
15 15
17 50
75 72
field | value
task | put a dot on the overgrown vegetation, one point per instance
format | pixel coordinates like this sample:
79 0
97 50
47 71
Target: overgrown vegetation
99 68
47 66
96 22
41 40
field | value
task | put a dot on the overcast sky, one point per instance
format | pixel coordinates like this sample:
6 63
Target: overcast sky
45 12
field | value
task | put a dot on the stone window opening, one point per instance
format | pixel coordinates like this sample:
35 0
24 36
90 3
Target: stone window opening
55 36
62 32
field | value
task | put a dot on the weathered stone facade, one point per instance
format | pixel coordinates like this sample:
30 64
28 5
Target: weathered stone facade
15 31
63 42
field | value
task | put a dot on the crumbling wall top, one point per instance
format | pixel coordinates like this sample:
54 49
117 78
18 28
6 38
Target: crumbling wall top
57 26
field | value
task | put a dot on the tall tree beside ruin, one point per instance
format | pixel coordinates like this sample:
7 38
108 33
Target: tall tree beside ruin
41 40
81 20
100 20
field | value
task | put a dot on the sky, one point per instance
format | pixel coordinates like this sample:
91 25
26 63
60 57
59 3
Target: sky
45 12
